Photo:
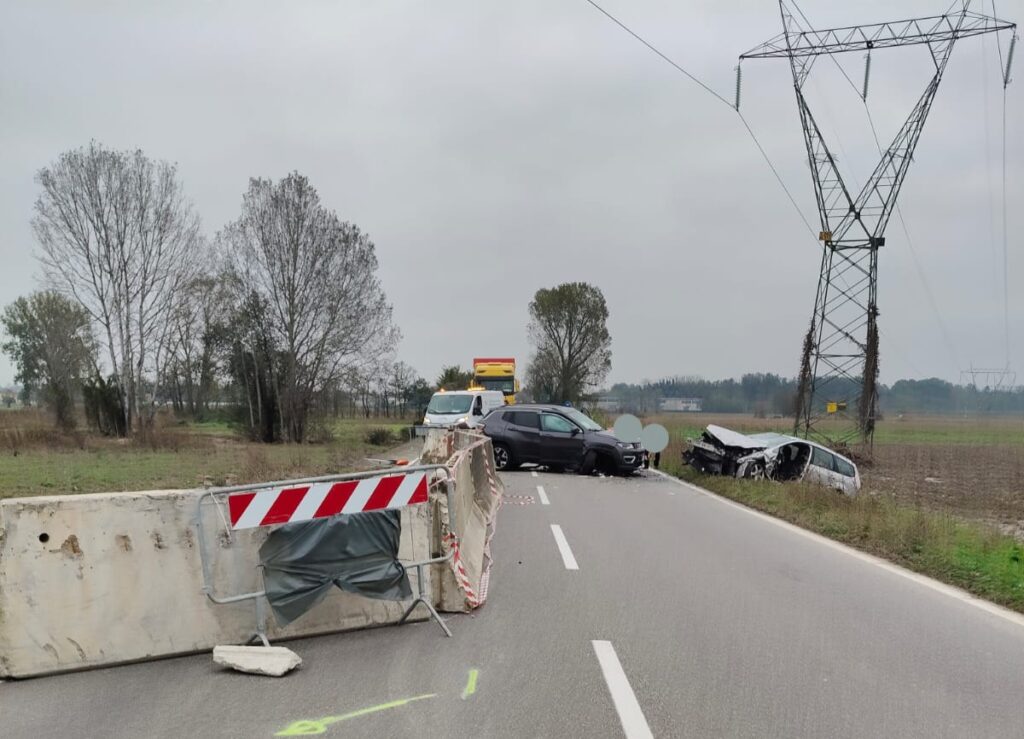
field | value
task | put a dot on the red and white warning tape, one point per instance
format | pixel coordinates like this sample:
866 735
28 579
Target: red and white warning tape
460 571
475 598
321 500
485 576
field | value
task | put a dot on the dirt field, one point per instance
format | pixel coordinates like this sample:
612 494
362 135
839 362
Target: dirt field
972 467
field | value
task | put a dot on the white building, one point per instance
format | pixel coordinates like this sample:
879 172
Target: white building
680 405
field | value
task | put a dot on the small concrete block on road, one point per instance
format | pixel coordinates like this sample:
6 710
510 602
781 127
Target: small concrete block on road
273 661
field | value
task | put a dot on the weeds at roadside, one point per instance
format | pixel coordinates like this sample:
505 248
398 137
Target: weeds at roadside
965 554
256 465
379 436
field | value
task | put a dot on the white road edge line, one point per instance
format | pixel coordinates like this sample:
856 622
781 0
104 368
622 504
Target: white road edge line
941 587
563 548
630 714
543 495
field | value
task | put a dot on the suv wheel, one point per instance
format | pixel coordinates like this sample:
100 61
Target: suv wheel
502 457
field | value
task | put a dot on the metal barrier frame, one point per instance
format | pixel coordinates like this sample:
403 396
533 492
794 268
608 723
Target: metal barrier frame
258 596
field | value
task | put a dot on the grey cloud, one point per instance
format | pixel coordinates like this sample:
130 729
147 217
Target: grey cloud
492 149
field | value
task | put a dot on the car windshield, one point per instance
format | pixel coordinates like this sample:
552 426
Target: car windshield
582 420
445 404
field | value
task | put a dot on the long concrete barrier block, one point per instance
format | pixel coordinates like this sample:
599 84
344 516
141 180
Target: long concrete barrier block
89 580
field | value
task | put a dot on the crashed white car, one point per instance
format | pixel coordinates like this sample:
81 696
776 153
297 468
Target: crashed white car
772 456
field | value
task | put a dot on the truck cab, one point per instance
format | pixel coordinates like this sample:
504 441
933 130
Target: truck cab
496 373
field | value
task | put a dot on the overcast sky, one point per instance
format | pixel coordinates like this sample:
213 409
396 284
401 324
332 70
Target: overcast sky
493 148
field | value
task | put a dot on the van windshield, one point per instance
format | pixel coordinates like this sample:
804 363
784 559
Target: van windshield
445 404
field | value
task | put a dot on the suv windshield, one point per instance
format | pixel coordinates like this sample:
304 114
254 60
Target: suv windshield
582 419
449 404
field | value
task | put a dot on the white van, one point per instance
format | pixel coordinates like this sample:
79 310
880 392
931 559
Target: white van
462 407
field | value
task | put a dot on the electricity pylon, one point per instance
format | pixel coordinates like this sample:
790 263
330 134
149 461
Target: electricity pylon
837 392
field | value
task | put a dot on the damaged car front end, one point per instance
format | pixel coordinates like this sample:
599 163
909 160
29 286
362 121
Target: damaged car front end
721 451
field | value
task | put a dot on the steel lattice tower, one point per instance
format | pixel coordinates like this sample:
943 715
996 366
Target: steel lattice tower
837 394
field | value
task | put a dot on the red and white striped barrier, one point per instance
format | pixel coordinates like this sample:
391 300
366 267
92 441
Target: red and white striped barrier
460 571
322 500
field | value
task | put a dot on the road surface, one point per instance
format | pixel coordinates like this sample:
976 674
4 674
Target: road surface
638 607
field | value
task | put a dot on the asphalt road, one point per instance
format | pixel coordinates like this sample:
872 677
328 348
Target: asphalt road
685 616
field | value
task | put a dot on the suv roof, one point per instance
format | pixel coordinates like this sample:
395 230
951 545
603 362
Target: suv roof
536 407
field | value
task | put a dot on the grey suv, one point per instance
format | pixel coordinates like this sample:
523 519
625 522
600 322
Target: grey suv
558 438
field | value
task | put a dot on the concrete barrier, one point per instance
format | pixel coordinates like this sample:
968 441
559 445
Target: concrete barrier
102 579
90 580
462 585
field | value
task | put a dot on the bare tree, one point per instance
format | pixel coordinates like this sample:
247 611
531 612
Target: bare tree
326 309
119 236
199 329
400 382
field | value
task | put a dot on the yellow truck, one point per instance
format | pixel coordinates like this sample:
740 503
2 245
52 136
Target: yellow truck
496 373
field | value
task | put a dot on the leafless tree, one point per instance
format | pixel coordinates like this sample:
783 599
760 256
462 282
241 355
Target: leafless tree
400 382
118 235
198 317
327 311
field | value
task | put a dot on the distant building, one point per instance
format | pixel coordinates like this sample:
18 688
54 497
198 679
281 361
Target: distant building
609 404
681 405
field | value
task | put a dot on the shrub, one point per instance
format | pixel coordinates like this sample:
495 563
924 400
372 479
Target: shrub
379 436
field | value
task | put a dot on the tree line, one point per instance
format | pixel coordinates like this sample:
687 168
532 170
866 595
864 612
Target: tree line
280 316
770 394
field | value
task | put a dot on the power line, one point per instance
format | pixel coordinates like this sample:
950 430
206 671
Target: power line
778 177
1006 262
708 89
643 41
999 44
830 56
986 107
932 303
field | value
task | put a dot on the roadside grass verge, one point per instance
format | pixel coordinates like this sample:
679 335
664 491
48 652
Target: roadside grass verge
34 461
970 556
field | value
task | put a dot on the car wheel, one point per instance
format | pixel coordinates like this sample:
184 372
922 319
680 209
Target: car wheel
755 471
502 457
589 462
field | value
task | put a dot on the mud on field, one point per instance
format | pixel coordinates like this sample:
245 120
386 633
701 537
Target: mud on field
972 467
978 481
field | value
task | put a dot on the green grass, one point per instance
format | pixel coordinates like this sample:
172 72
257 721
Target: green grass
44 472
891 430
968 555
353 430
213 428
187 456
1002 432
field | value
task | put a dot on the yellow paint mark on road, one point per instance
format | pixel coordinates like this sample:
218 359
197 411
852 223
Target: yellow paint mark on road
470 684
319 726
